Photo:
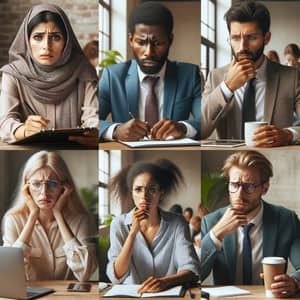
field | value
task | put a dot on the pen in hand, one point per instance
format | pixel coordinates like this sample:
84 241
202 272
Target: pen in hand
145 137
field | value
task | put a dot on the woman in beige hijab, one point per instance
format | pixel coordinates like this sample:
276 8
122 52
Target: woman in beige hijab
48 82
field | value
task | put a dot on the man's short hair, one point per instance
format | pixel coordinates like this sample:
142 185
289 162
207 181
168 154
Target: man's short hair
249 11
249 159
189 209
151 13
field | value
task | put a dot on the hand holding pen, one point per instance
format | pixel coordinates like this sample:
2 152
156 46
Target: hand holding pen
33 124
133 130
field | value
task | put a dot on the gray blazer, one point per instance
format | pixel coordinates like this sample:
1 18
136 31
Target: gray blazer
281 237
282 99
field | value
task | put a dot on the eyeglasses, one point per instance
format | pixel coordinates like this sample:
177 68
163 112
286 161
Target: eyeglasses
249 188
152 190
37 185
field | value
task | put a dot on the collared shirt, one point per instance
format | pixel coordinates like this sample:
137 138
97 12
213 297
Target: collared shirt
256 238
47 257
159 91
170 252
260 84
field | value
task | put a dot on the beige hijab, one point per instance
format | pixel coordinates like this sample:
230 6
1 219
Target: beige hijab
48 84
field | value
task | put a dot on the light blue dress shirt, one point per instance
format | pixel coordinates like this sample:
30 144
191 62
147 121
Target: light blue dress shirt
171 250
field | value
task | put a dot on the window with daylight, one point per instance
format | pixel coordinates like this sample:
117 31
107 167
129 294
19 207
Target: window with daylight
208 35
104 26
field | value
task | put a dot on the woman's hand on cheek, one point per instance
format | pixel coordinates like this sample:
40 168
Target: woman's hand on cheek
32 206
62 199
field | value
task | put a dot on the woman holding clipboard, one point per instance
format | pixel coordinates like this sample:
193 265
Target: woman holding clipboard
48 82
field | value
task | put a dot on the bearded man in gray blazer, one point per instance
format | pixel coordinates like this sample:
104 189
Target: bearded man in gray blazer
276 88
237 237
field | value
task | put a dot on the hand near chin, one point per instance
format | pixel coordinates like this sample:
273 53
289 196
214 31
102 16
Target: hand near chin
153 285
34 210
231 220
138 216
62 200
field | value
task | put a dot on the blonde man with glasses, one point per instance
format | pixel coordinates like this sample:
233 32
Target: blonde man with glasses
251 87
237 237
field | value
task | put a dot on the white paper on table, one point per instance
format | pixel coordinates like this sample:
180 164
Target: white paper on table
130 290
225 291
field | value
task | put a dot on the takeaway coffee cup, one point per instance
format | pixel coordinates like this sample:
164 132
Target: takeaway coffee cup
250 127
272 266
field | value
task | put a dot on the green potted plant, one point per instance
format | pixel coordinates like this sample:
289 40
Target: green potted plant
103 248
111 57
214 192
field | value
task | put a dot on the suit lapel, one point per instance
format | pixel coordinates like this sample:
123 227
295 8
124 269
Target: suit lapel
271 91
230 246
132 89
269 230
170 88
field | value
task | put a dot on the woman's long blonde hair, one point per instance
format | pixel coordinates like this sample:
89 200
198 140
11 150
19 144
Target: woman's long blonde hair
52 160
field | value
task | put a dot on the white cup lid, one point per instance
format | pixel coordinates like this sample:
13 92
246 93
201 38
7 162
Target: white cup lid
273 260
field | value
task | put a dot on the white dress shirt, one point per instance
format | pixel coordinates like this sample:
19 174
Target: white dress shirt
260 83
256 238
159 91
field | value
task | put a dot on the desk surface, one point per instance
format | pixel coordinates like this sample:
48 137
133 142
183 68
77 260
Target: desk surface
42 146
119 146
61 293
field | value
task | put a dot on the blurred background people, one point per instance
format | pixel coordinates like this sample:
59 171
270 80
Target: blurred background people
273 56
292 55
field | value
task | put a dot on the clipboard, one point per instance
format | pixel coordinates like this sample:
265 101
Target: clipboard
54 135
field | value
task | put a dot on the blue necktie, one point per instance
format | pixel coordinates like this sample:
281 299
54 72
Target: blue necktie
247 255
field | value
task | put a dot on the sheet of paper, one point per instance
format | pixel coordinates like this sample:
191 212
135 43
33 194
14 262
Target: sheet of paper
167 143
225 291
122 290
130 290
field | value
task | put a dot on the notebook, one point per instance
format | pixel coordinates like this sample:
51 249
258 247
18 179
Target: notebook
165 143
12 276
130 291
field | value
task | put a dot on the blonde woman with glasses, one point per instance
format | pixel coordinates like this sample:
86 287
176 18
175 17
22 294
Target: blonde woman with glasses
150 246
50 223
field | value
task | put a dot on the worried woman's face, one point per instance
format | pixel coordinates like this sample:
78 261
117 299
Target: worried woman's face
47 43
146 193
45 188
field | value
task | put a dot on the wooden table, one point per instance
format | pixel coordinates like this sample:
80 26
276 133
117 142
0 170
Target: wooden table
257 293
61 293
42 146
119 146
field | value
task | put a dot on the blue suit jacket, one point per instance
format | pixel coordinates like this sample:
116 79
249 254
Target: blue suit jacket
119 93
281 237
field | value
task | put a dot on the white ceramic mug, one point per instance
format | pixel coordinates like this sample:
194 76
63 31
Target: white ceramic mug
250 127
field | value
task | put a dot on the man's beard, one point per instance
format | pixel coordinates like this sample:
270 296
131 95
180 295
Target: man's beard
254 56
153 69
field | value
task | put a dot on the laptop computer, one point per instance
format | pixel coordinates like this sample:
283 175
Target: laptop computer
12 276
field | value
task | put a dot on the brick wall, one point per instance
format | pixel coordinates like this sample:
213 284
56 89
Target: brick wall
83 15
